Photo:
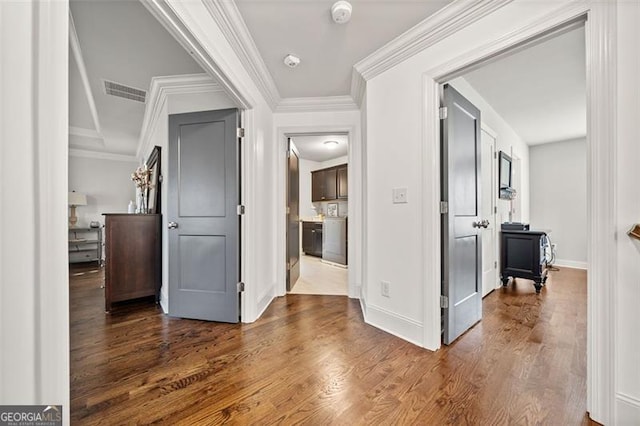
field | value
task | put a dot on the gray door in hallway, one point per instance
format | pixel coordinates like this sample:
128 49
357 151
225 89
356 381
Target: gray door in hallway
293 216
461 223
204 226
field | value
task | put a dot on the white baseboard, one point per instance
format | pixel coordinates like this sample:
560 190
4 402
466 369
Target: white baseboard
570 264
627 410
263 304
164 302
398 325
356 293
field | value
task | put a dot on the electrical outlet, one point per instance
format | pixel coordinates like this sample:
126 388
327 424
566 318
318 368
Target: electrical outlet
384 288
399 195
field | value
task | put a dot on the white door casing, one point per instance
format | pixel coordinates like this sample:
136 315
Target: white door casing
489 237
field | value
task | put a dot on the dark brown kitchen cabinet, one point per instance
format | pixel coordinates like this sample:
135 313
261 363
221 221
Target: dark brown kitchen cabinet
343 187
312 238
133 257
325 184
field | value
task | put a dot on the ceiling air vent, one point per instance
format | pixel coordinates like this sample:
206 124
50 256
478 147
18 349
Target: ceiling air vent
120 90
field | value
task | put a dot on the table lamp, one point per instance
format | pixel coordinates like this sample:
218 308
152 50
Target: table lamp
75 199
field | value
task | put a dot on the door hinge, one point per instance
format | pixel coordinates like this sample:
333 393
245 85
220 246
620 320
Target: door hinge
495 209
444 302
240 132
288 210
495 154
240 287
495 264
443 113
444 207
241 210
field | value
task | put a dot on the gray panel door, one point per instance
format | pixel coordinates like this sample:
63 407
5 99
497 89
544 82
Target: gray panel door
461 236
204 226
293 217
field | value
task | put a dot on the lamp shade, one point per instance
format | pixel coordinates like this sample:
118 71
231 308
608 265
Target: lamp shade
77 199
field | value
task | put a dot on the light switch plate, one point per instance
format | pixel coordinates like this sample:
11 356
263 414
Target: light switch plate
399 195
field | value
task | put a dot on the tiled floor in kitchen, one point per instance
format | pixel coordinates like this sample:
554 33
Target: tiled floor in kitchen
317 277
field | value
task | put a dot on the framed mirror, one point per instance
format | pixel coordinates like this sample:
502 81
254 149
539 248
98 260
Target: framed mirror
153 164
504 173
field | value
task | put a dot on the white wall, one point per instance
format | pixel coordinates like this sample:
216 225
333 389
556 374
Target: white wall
507 140
627 295
558 187
106 183
34 288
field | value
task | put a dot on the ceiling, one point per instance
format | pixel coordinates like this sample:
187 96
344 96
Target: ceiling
540 91
328 50
311 147
122 42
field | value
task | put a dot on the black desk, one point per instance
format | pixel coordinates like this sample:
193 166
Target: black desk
522 256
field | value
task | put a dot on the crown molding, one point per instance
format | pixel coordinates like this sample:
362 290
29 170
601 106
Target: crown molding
160 88
323 103
74 43
358 87
448 20
229 20
83 153
85 133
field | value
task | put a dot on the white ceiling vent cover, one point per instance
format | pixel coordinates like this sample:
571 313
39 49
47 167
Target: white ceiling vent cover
120 90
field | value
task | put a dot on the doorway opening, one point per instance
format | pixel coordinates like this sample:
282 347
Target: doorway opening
531 184
317 213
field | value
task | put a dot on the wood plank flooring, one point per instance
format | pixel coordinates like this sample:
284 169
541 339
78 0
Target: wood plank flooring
312 360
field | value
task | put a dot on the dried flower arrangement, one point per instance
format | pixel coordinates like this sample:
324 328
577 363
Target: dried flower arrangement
142 178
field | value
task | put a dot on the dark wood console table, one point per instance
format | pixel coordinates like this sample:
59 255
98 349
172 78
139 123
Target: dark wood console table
522 256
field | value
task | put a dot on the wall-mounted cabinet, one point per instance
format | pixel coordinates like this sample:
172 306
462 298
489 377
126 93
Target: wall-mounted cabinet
329 184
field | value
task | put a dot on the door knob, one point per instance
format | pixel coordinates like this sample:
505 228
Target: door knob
482 224
173 225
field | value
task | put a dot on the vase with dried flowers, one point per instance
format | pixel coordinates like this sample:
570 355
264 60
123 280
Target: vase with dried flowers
142 178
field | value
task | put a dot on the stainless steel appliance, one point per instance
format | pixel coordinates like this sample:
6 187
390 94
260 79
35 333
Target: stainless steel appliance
334 240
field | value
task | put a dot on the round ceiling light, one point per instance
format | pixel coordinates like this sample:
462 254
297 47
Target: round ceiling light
331 144
341 12
291 61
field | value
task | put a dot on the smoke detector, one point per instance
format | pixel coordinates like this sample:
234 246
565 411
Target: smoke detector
291 61
341 12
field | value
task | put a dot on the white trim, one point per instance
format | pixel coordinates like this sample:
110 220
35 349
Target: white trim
355 202
398 325
358 87
160 88
229 20
165 14
85 133
74 42
570 264
627 409
317 104
448 20
601 218
83 153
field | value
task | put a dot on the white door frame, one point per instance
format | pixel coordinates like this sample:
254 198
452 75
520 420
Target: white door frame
601 159
494 196
354 202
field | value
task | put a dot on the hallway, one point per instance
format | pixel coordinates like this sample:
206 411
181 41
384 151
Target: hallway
313 359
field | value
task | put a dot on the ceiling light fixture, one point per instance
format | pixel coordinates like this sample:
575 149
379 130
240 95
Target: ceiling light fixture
331 144
341 12
291 61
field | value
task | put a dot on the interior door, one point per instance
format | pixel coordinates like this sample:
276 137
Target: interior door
204 225
489 187
293 217
461 236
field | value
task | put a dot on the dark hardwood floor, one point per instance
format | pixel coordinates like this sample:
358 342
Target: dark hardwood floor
312 360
